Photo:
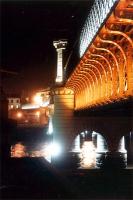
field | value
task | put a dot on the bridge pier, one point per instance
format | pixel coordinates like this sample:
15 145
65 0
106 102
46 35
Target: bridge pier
100 151
110 152
116 156
63 128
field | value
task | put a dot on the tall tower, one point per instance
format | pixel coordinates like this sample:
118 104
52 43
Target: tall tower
59 45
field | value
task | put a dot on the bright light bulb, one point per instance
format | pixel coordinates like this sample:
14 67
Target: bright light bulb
37 99
54 149
19 114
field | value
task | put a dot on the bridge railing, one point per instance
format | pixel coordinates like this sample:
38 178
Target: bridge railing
96 17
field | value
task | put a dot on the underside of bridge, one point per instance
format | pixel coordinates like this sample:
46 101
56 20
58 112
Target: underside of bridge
103 79
104 74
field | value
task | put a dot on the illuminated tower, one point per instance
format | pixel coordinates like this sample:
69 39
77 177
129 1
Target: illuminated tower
59 45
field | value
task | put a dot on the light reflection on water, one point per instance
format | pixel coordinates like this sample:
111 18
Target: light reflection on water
19 150
87 155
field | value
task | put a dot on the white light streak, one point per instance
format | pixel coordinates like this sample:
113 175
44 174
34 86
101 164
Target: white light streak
29 106
76 144
50 127
101 144
122 146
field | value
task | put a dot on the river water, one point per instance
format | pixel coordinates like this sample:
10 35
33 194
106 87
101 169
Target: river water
36 145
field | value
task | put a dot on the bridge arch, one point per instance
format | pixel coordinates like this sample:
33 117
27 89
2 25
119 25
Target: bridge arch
110 86
123 67
91 146
104 86
90 90
87 71
80 95
115 67
76 76
85 96
99 88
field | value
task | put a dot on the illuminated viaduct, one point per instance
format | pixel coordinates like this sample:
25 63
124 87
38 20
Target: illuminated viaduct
102 79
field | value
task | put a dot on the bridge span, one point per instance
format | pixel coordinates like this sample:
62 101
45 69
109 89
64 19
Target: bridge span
98 94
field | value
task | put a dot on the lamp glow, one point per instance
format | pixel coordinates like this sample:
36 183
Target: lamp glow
19 114
38 113
37 99
54 149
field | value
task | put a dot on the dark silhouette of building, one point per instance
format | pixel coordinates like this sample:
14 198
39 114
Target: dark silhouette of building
8 127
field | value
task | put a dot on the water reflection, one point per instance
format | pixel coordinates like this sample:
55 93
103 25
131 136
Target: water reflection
87 155
86 144
19 150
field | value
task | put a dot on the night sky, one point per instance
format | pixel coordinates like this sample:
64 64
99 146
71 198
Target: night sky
28 29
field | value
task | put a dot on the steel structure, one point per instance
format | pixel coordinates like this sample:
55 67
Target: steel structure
105 72
96 17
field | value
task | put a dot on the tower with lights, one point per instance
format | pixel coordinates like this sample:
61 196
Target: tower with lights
60 45
63 100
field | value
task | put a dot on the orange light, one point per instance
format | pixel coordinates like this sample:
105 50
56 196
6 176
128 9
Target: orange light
38 113
19 114
18 150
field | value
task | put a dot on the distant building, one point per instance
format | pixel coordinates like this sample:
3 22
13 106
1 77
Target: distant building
7 126
14 103
34 112
3 105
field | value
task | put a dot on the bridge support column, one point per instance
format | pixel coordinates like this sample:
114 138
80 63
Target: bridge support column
114 129
116 157
100 151
63 117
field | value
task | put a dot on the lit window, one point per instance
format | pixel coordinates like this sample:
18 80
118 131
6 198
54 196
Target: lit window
11 107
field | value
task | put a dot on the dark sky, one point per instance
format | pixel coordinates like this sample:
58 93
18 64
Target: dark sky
28 29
